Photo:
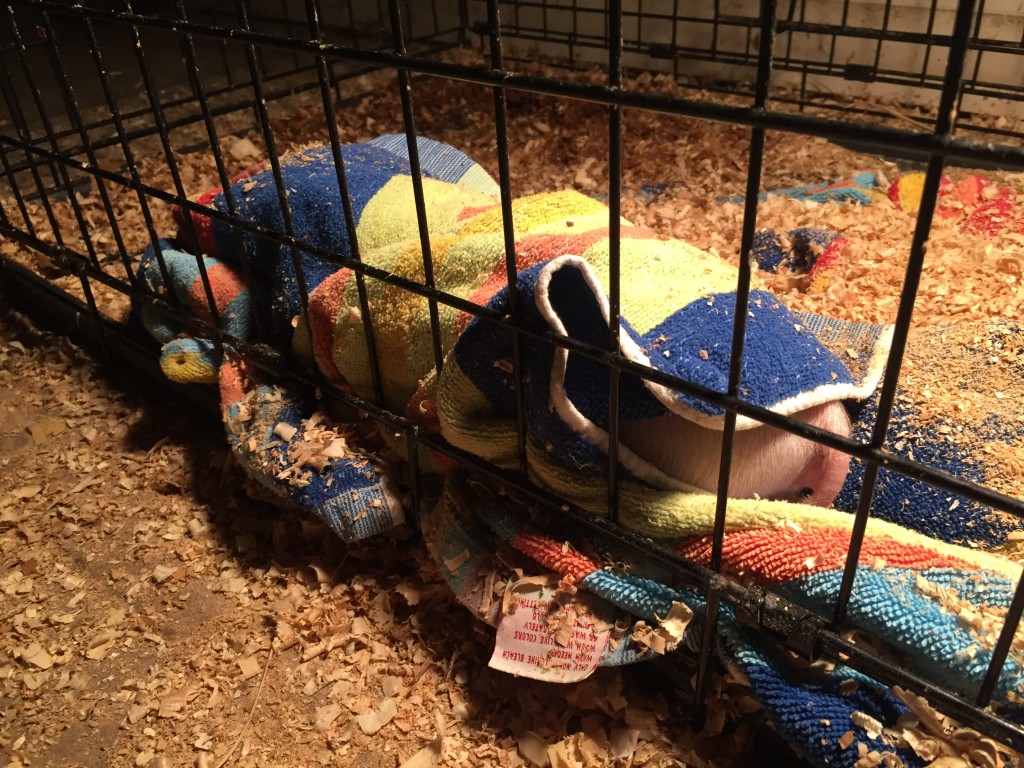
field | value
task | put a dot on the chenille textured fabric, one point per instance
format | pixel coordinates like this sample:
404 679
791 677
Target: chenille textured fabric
677 305
919 597
978 205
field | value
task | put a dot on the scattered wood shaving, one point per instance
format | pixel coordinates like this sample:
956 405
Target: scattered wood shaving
242 561
372 721
534 749
454 563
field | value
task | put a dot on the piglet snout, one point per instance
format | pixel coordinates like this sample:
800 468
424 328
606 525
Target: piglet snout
825 469
766 462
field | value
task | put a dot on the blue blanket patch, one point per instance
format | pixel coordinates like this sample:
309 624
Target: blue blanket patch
856 190
314 201
781 359
348 495
814 714
317 214
916 620
902 499
437 160
805 245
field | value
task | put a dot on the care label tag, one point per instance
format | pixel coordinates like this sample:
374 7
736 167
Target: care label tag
547 639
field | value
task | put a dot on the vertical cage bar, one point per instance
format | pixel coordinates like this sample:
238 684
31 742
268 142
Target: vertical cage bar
192 67
19 199
750 203
755 159
790 15
713 43
979 17
404 87
260 105
126 148
229 76
508 231
675 40
463 36
844 20
833 40
296 61
882 33
15 192
8 173
163 132
78 125
944 124
18 120
407 20
63 179
313 15
614 247
1002 646
932 9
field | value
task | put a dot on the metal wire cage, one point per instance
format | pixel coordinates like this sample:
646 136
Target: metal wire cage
822 52
96 95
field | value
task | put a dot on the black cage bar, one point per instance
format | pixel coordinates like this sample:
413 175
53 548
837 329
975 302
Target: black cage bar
91 91
821 49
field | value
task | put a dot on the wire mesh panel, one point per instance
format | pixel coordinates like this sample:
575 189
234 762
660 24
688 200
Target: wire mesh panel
258 189
824 53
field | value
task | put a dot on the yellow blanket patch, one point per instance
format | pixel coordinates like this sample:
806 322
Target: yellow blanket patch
390 216
531 214
660 274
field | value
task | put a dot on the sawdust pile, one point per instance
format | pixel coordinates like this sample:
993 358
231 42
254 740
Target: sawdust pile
155 614
965 382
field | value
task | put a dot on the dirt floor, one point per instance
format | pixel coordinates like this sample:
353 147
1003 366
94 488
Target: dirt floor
154 614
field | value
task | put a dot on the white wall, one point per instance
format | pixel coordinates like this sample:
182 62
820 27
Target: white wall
1003 22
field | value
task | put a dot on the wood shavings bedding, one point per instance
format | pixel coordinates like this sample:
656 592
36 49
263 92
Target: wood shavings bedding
556 144
157 615
553 145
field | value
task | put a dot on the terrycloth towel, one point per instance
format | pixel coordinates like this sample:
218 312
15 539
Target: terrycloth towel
919 598
272 430
284 444
862 189
677 313
317 217
806 252
306 461
980 205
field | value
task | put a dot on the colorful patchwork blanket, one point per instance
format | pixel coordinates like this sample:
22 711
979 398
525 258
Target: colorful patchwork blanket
919 593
